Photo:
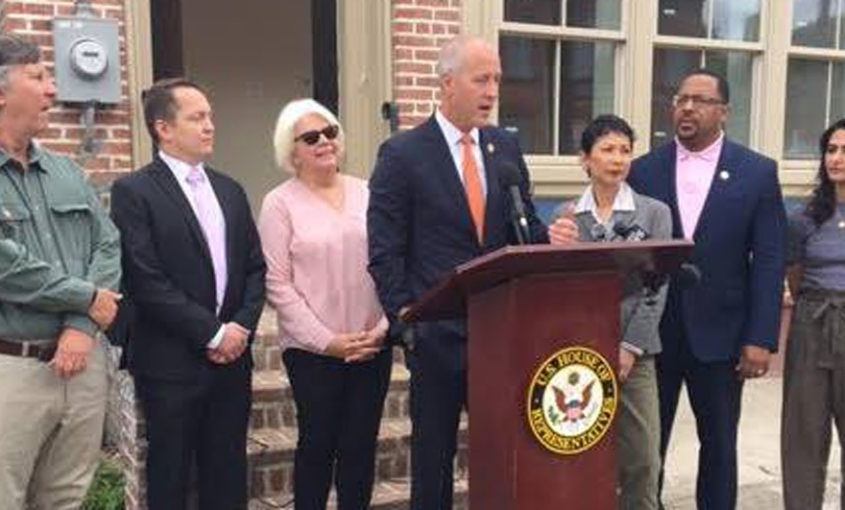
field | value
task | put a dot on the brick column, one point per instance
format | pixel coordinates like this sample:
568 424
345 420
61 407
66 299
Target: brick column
420 28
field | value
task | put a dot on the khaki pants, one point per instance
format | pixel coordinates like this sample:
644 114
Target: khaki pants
50 432
638 438
813 397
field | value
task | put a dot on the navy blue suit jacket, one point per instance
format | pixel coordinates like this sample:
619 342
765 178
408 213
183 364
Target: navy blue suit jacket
739 248
419 224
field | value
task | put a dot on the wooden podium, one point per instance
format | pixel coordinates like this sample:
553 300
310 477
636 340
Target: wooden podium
524 306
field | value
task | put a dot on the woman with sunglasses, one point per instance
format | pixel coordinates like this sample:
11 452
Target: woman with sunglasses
331 326
609 210
814 368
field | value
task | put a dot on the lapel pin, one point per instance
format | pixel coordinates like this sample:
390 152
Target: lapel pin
724 175
491 148
6 213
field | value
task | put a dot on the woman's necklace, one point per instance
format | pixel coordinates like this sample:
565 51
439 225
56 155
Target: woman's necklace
840 220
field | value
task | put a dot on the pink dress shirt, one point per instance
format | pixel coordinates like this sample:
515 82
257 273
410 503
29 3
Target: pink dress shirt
317 277
693 177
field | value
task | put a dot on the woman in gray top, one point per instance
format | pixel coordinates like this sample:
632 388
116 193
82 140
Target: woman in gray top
609 210
814 372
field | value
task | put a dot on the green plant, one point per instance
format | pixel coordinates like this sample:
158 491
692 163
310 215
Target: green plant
106 492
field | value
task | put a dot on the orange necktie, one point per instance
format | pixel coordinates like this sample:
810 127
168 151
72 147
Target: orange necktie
472 185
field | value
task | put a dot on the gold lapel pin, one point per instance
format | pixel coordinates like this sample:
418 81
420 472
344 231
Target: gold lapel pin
724 175
491 148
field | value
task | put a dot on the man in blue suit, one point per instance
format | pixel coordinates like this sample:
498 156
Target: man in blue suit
722 330
436 201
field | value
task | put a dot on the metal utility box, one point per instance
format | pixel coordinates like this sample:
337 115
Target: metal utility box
87 60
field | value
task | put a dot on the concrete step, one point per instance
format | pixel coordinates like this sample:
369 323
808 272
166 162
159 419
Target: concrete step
273 405
271 454
387 495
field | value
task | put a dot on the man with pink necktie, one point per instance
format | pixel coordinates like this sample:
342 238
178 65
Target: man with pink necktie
193 266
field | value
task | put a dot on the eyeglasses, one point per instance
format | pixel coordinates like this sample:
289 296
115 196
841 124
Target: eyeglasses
697 101
313 136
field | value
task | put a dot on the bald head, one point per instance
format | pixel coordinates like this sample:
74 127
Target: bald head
470 72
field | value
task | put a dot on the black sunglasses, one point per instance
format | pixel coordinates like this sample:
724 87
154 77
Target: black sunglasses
313 136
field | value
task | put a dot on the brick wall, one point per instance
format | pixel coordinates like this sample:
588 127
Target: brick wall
419 29
33 19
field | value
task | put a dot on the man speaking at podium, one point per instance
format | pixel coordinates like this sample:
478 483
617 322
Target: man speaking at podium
438 198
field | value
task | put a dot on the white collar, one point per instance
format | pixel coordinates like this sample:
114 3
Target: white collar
451 132
180 168
624 200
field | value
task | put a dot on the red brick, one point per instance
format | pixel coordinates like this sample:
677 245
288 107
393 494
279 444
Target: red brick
413 67
117 148
13 7
413 40
400 81
409 121
423 28
41 25
438 28
403 54
405 13
16 24
426 81
447 15
454 29
413 94
41 9
431 55
403 26
435 3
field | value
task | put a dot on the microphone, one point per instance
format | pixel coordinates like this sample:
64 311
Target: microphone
688 275
631 232
510 178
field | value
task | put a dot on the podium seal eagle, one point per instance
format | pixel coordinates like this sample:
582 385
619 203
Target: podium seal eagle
572 400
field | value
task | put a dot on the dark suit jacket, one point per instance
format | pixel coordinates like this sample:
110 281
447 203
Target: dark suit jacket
739 248
420 228
169 276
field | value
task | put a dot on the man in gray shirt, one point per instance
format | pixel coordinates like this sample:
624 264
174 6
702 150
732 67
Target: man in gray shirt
59 266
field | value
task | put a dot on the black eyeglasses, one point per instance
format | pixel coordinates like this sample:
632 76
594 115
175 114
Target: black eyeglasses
697 101
313 136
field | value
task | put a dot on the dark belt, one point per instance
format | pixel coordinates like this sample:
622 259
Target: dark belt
38 350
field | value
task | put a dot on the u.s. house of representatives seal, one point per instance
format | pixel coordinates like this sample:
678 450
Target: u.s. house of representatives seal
572 400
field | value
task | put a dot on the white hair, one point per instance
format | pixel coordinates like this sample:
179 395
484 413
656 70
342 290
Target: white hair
283 136
451 54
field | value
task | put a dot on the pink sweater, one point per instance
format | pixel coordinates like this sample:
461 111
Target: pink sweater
317 279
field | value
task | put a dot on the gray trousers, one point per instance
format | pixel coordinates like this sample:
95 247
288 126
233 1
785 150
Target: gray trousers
51 430
638 438
813 396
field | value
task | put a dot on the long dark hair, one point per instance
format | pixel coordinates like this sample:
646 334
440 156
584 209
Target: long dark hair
822 205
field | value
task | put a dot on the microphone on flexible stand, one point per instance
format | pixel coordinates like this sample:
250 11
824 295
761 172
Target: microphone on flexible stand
510 179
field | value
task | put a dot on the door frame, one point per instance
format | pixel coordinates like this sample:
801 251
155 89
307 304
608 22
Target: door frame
364 77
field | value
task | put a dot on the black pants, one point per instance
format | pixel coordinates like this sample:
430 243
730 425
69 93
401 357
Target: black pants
203 422
715 395
338 410
438 394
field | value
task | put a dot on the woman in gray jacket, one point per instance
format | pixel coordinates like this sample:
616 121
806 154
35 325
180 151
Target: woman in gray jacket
609 210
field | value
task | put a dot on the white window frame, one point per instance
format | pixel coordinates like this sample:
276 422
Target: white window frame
799 170
556 176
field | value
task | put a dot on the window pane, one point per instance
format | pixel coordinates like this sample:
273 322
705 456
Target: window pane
814 23
526 100
586 88
543 12
736 20
806 90
837 99
736 67
683 17
604 14
669 67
